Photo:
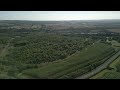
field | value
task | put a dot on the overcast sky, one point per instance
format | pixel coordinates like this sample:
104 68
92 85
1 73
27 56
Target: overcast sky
58 15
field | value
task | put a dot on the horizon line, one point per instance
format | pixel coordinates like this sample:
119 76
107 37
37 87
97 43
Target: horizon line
57 20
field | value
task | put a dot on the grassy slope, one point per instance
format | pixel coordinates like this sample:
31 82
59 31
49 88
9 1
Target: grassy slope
70 67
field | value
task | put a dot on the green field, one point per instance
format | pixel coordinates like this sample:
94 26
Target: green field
107 74
115 43
113 71
73 66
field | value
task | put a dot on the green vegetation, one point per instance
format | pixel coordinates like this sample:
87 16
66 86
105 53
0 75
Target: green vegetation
115 43
3 42
29 51
39 48
60 50
112 72
74 65
107 74
111 75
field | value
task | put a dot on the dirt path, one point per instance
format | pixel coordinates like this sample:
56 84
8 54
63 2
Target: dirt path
6 48
99 68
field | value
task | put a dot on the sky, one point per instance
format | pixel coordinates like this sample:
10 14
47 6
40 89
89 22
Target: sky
58 15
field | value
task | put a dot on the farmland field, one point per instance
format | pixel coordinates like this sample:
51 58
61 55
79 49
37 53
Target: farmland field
113 71
114 30
107 74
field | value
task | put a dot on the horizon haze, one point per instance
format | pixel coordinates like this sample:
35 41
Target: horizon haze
58 15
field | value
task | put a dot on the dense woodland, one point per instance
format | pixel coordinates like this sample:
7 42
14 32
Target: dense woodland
38 48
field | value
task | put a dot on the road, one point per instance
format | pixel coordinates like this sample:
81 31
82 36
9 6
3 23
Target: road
6 47
99 68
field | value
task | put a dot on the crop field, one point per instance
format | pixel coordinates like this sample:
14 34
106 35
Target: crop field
113 71
115 30
107 74
111 75
73 66
115 43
